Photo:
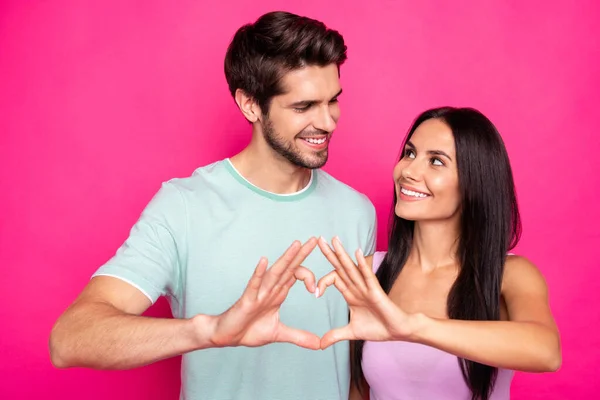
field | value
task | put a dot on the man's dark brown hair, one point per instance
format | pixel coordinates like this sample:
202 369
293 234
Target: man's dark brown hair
261 53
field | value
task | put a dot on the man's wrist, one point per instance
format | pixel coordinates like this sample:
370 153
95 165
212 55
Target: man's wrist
200 331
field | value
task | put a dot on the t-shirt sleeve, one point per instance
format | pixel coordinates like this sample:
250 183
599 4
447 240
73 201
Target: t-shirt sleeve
371 242
149 257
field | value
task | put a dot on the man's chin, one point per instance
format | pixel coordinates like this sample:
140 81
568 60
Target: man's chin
308 160
316 163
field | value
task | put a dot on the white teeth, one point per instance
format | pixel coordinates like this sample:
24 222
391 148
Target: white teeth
315 141
411 193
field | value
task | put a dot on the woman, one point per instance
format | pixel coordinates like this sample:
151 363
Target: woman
449 314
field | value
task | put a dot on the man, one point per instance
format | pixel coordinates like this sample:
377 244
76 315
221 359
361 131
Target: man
245 331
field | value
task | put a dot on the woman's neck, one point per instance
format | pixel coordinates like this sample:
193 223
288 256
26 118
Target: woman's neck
434 244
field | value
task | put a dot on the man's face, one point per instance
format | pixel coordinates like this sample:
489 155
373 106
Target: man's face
301 121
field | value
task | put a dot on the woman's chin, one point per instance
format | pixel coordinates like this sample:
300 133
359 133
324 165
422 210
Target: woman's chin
407 216
402 212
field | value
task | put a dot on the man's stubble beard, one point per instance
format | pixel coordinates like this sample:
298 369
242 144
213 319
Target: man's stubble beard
290 152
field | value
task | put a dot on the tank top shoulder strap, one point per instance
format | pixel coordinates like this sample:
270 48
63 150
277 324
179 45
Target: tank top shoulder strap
377 259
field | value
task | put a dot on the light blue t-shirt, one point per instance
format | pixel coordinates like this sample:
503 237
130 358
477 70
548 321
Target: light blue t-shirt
198 242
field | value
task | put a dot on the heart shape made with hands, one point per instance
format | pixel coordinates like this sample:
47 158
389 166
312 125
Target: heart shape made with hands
373 316
254 319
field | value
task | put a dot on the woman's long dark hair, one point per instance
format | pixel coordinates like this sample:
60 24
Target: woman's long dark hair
489 227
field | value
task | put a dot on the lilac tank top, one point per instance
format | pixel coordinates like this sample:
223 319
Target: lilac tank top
412 371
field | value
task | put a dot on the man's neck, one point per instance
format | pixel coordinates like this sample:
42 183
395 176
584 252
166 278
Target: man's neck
269 171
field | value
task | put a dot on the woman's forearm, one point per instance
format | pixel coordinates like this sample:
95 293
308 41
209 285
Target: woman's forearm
522 346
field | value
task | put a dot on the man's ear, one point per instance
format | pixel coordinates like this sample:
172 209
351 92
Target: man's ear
248 106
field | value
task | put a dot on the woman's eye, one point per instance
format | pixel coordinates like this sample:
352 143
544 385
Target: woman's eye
437 162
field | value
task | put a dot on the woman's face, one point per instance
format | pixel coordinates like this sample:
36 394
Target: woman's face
426 177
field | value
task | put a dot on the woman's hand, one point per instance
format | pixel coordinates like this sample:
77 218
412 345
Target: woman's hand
373 316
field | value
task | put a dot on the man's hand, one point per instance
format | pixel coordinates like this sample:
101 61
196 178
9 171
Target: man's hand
254 319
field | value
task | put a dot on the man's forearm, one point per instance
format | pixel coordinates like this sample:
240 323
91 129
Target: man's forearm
97 335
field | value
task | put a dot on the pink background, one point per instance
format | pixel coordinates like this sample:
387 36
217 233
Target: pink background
101 101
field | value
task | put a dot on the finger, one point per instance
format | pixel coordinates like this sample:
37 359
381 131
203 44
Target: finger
333 259
273 274
304 274
328 252
331 278
325 282
255 281
304 252
301 338
286 258
288 285
348 266
367 272
280 292
336 335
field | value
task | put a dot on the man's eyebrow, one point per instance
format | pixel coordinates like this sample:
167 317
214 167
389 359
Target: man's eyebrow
308 103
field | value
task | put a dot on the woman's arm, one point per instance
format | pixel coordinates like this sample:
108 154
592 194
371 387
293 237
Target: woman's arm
528 341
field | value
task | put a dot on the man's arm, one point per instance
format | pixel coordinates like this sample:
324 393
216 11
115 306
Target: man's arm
104 329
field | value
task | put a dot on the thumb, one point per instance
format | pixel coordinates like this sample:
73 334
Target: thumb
306 275
336 335
298 337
